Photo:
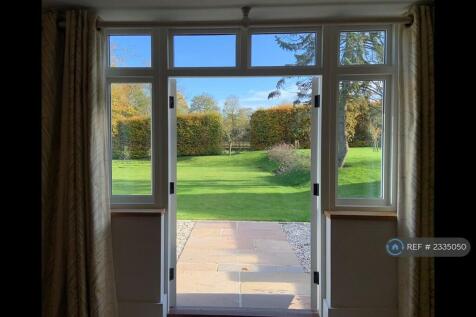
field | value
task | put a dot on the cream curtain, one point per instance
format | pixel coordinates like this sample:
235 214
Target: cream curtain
77 271
416 160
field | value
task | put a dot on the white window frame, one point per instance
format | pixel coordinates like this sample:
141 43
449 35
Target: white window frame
326 66
388 73
204 32
129 71
284 30
135 75
389 53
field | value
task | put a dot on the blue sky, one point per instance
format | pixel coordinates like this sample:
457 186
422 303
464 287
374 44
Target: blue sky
252 91
217 50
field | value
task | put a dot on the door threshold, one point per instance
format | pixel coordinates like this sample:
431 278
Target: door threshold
239 312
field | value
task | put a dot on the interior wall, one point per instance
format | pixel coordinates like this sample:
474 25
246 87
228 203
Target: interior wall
361 277
138 261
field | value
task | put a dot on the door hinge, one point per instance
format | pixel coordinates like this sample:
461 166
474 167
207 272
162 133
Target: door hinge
316 189
172 188
317 101
171 274
316 278
171 102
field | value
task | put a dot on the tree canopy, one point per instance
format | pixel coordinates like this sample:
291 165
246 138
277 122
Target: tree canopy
182 105
203 103
236 121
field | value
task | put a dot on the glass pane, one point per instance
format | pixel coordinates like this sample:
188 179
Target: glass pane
285 49
205 50
360 135
131 138
130 50
358 48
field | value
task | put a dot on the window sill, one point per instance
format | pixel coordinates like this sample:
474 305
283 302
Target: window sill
361 215
138 212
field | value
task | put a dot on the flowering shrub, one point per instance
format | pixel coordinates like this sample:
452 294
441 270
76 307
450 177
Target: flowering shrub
287 159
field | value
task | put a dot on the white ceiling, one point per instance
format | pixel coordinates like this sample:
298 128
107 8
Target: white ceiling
189 10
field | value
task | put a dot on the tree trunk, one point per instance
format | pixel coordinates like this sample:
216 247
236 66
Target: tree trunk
229 148
342 145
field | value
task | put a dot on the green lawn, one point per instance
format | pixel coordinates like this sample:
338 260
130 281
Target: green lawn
243 186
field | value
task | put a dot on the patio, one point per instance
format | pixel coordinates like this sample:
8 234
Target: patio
240 264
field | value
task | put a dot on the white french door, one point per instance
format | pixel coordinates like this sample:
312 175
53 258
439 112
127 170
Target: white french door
171 275
316 212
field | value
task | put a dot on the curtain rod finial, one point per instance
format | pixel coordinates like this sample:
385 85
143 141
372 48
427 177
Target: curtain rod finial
246 11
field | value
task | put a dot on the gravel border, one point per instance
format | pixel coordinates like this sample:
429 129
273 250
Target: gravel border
299 237
184 228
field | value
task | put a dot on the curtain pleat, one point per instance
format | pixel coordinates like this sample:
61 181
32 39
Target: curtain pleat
416 160
78 274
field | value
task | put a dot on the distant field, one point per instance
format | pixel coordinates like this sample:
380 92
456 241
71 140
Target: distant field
244 187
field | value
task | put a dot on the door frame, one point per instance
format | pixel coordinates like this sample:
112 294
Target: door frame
317 214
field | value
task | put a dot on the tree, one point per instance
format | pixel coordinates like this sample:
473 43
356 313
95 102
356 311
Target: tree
375 123
129 100
235 121
182 106
355 48
203 103
130 106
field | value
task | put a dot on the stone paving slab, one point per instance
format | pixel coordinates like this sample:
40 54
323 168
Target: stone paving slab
267 245
208 300
258 268
275 283
284 301
190 266
240 264
260 257
209 282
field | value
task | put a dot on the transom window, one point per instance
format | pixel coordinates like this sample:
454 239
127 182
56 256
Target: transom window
284 49
192 50
130 51
362 47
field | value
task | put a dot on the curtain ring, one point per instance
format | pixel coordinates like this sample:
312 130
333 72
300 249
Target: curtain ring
412 19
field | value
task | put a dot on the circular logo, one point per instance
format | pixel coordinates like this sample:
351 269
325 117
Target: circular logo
395 247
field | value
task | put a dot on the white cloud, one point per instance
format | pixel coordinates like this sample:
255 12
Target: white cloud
257 98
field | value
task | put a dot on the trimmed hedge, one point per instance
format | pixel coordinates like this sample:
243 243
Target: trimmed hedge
132 139
199 134
283 124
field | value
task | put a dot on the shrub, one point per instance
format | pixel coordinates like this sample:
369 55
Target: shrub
282 124
291 167
199 134
285 156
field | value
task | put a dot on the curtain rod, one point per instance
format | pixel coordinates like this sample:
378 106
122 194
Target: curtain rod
408 20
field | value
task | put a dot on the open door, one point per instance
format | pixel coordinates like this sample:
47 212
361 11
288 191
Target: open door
316 212
172 200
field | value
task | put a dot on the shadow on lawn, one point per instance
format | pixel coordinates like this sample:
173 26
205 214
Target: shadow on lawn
360 190
263 182
245 206
126 187
140 187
